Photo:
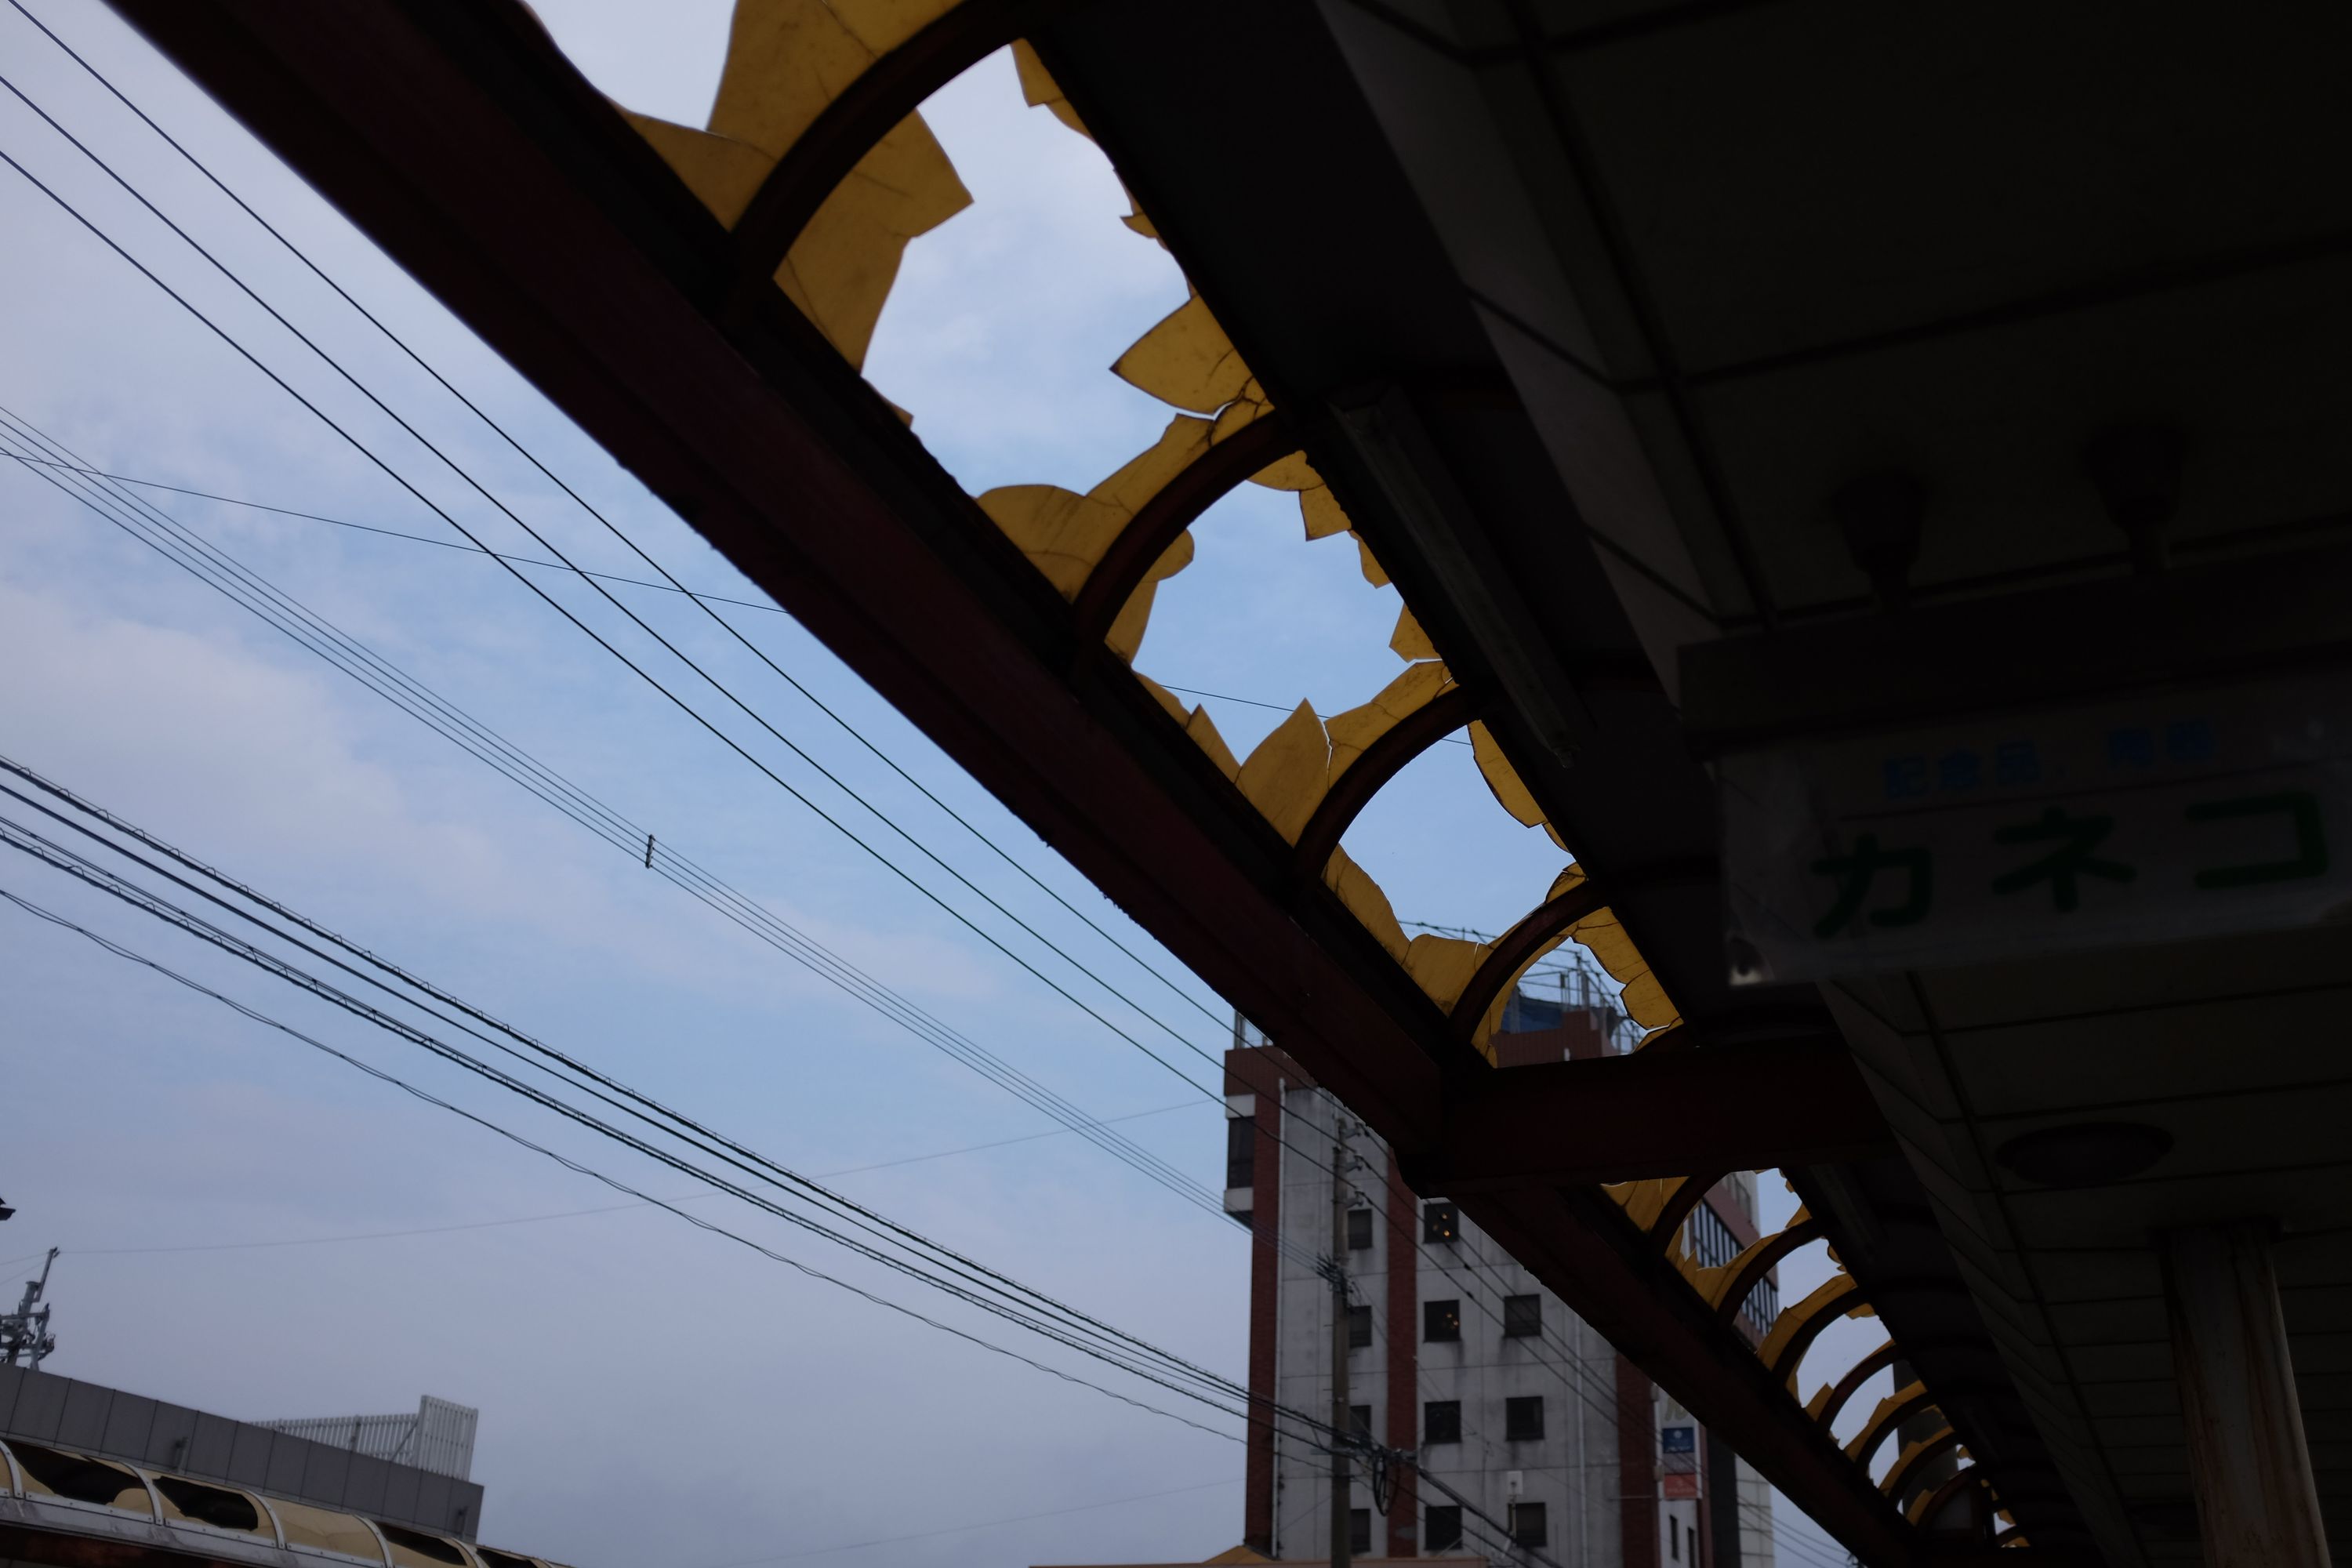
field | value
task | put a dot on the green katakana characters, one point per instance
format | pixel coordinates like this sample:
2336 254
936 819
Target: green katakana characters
2075 837
1856 872
2300 806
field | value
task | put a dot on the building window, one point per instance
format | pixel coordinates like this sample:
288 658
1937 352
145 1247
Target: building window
1523 1419
1360 1229
1360 1419
1241 1152
1710 1240
1440 1223
1441 1528
1441 1321
1359 1532
1711 1243
1441 1422
1522 1317
1675 1540
1528 1525
1360 1328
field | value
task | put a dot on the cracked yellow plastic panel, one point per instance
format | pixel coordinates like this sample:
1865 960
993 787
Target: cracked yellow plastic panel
1066 534
1908 1457
1833 1296
1644 1201
1286 776
1187 360
1353 731
786 60
722 172
1319 508
1441 965
1291 771
1409 642
1600 934
1364 900
1820 1399
839 271
1204 731
1874 1430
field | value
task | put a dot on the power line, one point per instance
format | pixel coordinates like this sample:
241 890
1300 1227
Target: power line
463 549
981 1286
1151 1365
150 841
618 1185
569 1213
253 359
313 633
402 343
632 664
1253 702
450 544
1063 1323
210 565
716 685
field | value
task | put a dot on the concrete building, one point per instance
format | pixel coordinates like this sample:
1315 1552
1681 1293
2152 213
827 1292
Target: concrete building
1536 1440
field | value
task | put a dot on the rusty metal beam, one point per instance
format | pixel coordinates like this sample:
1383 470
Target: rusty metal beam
1616 1118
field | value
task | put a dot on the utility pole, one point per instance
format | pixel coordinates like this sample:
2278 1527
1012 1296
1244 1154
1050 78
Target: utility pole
1342 1459
25 1330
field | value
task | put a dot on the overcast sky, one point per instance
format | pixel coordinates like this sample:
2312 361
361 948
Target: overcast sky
650 1393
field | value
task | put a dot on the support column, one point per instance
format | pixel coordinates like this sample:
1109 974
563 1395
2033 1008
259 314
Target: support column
1404 1241
2257 1504
1637 1468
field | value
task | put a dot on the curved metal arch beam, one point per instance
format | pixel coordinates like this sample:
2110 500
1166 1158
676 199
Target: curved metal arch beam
1516 949
1794 1330
1760 1260
1679 1206
1381 760
845 130
1892 1411
1913 1459
1846 1387
1174 508
1930 1504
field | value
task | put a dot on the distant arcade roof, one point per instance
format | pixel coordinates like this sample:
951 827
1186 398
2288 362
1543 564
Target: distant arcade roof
59 1502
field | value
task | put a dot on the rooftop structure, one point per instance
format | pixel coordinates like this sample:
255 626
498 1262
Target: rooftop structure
439 1438
100 1423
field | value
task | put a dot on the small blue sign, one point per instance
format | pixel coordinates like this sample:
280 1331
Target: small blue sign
1679 1439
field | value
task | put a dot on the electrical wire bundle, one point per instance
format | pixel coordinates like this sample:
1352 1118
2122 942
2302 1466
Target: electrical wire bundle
556 1081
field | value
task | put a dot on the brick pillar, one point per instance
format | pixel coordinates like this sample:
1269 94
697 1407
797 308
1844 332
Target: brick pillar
1637 1467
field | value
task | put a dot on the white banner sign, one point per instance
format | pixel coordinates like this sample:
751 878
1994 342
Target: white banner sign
2159 820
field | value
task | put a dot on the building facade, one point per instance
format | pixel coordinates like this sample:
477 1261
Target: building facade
1534 1441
